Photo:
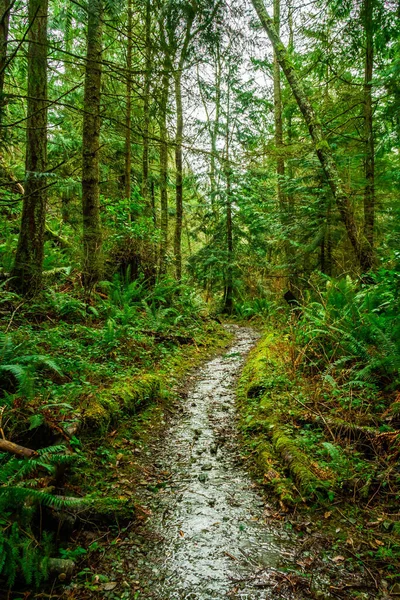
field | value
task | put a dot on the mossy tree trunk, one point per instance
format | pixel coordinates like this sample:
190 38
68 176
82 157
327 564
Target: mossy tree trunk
164 169
369 193
92 265
4 26
324 152
27 270
146 113
128 117
280 163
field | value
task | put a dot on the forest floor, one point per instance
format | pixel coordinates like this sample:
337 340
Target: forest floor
202 528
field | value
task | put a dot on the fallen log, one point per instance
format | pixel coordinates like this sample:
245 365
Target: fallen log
90 510
63 567
6 446
50 273
164 337
295 461
366 437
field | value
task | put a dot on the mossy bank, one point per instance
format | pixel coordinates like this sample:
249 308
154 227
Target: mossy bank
319 462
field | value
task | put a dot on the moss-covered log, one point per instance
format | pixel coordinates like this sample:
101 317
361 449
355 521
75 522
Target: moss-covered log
123 398
368 438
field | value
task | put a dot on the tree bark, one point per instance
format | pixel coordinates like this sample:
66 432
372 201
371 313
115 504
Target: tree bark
280 163
164 168
6 446
215 130
369 193
146 109
92 236
179 177
322 148
27 270
178 149
128 120
4 26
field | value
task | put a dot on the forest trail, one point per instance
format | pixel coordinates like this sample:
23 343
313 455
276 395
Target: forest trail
208 536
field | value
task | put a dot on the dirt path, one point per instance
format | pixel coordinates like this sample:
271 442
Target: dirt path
209 535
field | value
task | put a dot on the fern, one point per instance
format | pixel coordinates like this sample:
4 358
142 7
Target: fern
355 333
17 369
20 553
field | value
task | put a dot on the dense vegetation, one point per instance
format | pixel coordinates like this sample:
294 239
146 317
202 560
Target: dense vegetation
162 162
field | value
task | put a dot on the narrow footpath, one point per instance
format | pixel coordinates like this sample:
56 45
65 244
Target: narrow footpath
209 533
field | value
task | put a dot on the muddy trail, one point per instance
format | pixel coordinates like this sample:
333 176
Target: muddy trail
212 535
209 533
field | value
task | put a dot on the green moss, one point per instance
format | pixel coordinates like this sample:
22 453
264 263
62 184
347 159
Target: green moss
322 145
96 416
267 410
296 462
133 393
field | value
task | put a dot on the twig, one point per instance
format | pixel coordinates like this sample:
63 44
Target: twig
367 569
344 516
315 413
2 409
13 314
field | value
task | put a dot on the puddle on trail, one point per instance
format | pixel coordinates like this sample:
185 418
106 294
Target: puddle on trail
210 537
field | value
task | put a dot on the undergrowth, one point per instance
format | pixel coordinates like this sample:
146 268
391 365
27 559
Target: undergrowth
319 411
71 367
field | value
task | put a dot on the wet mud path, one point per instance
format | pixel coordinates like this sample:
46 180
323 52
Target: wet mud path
208 530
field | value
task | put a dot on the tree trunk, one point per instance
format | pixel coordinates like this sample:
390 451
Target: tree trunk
153 203
164 169
369 193
228 305
92 236
328 242
4 25
215 130
228 300
179 177
178 149
27 270
213 125
146 109
322 148
128 121
280 163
